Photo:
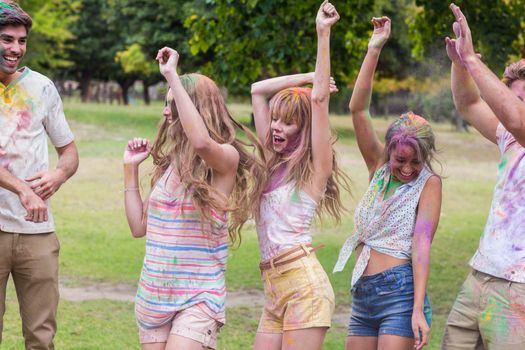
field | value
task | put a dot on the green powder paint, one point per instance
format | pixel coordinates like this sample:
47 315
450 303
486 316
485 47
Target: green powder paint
493 319
295 197
502 165
3 5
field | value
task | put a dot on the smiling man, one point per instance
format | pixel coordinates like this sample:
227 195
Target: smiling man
30 110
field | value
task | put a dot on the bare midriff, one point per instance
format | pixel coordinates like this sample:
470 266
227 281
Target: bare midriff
378 262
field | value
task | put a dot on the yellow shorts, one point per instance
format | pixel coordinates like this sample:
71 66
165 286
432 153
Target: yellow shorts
298 296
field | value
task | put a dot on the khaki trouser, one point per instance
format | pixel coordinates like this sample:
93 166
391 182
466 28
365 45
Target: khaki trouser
489 313
32 260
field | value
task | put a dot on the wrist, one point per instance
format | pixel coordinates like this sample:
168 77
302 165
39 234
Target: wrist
23 189
323 32
374 50
470 61
131 175
61 174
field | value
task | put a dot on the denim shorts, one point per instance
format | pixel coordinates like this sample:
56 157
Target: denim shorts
383 304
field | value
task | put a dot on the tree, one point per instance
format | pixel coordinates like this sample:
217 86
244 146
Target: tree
496 27
50 33
134 62
247 40
93 48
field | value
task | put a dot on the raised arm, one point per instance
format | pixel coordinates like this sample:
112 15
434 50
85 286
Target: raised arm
222 158
263 90
427 220
467 99
137 150
507 107
322 156
368 142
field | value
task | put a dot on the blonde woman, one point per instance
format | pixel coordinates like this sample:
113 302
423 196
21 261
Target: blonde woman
303 179
200 174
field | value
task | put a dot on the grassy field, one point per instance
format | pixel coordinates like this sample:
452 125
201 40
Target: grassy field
96 245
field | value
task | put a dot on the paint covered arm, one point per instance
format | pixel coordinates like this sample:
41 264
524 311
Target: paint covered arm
466 95
467 99
369 145
222 158
263 90
322 155
427 220
34 205
507 107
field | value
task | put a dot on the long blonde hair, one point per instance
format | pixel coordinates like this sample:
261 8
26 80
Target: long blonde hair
172 146
294 105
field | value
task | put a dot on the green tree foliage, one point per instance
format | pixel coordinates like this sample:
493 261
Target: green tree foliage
495 25
253 39
93 48
50 34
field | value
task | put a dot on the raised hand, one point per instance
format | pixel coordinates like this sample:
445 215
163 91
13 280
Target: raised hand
327 16
450 45
168 60
333 86
136 151
464 46
382 27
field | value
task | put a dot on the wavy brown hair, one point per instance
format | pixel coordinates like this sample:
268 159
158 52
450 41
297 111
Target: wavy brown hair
294 105
172 146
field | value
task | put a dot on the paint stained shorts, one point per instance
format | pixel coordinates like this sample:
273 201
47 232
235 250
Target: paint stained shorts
192 323
298 295
489 313
383 304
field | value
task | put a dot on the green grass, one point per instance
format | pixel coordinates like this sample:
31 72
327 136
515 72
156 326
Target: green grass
96 245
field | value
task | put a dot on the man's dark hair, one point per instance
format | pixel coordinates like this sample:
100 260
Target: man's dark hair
11 14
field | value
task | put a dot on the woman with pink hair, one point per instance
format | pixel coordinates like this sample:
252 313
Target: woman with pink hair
394 222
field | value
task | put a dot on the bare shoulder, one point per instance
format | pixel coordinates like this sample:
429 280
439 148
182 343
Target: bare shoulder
433 187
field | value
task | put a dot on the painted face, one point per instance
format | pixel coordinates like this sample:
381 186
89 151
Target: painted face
518 88
283 134
404 163
166 112
13 40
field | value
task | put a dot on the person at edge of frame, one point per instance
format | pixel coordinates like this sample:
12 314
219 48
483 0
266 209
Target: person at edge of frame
30 110
489 311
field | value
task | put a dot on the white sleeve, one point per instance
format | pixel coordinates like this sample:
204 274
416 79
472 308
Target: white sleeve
55 122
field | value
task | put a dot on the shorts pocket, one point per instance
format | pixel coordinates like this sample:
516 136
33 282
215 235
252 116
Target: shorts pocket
392 283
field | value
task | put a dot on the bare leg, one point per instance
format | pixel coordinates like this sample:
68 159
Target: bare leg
304 339
268 341
153 346
177 342
361 343
394 342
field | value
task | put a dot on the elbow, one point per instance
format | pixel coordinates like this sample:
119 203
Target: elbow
320 98
255 89
356 112
138 233
515 126
201 144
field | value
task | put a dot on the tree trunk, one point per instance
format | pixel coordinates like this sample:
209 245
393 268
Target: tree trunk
145 86
125 84
85 80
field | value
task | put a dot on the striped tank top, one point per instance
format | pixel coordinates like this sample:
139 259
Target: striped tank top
185 259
